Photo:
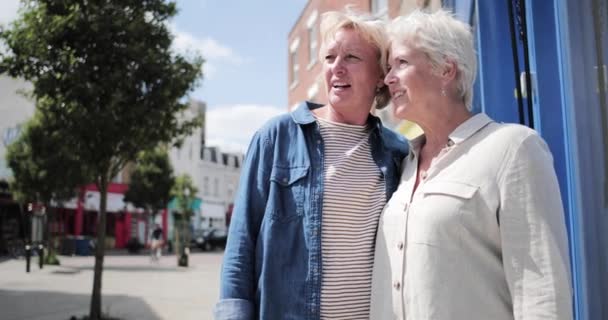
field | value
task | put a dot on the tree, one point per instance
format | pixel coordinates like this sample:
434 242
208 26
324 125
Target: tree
44 169
151 181
184 193
105 71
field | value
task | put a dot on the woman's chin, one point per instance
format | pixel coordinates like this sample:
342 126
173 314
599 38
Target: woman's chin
400 112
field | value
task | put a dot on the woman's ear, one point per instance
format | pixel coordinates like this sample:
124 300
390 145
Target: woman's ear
449 71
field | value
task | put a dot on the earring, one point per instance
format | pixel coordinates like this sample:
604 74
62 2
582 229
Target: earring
443 92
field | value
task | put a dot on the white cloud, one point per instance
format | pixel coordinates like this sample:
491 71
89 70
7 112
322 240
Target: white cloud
231 127
8 11
214 52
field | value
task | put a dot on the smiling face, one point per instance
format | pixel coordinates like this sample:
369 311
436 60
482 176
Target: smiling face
411 80
352 72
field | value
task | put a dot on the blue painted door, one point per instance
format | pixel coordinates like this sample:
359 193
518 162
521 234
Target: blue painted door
583 54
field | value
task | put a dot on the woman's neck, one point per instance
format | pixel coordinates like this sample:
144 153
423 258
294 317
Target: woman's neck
356 117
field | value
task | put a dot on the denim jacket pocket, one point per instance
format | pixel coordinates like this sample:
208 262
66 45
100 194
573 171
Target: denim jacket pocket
287 192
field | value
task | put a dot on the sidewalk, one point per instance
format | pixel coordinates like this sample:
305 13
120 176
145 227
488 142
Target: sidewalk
133 288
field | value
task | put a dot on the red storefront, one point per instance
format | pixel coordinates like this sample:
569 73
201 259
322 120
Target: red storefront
79 217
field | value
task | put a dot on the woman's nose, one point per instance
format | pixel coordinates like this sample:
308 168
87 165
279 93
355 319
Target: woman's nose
338 66
389 78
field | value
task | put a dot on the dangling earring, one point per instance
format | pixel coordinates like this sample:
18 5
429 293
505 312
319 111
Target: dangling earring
443 92
378 90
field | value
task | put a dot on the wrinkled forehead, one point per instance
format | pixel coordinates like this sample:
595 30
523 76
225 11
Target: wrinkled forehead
348 38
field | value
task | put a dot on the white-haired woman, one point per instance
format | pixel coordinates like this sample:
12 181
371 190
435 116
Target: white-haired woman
314 182
476 228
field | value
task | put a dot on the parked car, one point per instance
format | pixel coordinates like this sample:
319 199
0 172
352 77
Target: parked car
209 239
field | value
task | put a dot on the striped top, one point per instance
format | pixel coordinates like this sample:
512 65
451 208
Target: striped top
353 199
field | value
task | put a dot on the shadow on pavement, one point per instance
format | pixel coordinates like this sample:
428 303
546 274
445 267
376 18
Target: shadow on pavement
135 268
49 305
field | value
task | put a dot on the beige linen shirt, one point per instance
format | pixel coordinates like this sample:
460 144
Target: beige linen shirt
483 236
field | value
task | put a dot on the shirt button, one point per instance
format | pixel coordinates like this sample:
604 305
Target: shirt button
397 285
318 141
400 245
285 180
423 175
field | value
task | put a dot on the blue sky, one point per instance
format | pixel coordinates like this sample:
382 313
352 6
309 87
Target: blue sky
244 43
252 66
245 74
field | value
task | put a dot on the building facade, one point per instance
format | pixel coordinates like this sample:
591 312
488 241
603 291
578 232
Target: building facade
16 109
214 173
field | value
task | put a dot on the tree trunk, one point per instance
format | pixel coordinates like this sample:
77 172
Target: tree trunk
49 236
176 235
95 311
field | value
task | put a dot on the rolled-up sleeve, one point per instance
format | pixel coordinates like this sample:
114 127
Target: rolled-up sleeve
238 283
533 234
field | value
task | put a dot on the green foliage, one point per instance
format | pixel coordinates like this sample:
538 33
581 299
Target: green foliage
104 71
151 181
44 168
184 192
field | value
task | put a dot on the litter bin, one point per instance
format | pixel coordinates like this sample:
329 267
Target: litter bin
81 246
67 246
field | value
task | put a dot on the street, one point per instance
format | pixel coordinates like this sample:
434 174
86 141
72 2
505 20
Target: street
134 287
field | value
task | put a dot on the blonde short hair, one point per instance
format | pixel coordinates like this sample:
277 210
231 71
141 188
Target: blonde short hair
373 30
442 38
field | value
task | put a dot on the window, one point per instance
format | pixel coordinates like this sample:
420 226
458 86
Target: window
216 187
206 185
312 92
294 67
380 8
293 57
312 45
313 34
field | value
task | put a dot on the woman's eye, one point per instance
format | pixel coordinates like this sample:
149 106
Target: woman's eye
351 57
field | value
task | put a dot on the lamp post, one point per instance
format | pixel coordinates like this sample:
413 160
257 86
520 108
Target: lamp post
184 249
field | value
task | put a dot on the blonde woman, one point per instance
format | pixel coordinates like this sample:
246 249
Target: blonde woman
301 242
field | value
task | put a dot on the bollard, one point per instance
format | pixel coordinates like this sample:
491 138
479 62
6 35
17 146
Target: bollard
28 256
183 259
40 256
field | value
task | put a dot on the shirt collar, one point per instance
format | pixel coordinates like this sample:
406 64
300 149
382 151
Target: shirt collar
460 134
302 114
469 127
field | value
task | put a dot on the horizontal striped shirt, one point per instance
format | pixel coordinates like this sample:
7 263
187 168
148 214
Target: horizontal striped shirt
353 199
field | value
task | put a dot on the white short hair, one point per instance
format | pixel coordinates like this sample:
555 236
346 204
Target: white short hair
372 29
442 38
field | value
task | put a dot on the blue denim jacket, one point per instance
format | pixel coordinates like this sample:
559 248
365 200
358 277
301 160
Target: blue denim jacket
272 263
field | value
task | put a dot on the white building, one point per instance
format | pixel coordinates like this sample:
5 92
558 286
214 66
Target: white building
15 109
214 173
